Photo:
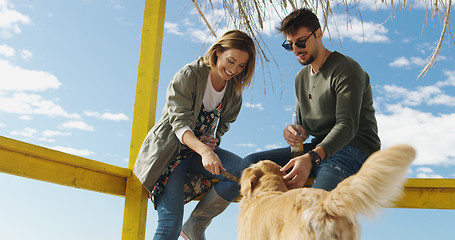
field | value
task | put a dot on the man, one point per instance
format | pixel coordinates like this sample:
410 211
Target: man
334 103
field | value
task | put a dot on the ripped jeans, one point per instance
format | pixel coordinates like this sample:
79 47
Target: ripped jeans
344 163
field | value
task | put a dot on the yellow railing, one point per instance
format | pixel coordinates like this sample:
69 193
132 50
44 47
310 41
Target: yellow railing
31 161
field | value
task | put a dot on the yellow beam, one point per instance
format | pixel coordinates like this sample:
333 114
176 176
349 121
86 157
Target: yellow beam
31 161
148 75
428 194
136 198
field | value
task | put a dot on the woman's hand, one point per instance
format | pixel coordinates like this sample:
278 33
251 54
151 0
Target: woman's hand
211 162
204 146
209 141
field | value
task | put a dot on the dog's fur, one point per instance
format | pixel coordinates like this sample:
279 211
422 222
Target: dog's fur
269 211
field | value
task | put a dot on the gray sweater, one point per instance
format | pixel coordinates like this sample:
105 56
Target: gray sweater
335 105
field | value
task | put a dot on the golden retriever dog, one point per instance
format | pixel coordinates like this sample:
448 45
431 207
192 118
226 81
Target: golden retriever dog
269 211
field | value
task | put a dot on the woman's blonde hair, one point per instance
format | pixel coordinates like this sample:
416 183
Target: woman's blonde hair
238 40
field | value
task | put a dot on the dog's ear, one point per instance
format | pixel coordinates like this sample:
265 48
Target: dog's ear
250 177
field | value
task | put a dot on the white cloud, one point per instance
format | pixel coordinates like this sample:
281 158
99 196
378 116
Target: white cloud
26 132
410 97
257 106
77 125
431 135
25 117
49 140
22 103
270 21
371 5
425 172
53 133
14 78
407 63
114 116
173 28
73 151
246 145
10 20
428 175
15 81
357 30
429 95
187 22
442 99
6 51
116 4
400 62
272 146
107 116
44 136
26 55
203 36
450 79
92 114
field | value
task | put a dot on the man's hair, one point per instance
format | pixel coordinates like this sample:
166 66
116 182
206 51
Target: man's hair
303 17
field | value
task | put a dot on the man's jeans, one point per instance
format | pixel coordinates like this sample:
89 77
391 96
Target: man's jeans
328 174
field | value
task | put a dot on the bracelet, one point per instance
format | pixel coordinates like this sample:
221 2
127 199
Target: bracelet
315 158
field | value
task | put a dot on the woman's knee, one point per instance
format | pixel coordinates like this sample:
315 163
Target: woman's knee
169 224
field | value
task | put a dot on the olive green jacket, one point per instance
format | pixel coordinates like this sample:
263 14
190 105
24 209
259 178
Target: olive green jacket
183 103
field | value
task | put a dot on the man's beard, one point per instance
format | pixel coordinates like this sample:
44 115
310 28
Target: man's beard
309 61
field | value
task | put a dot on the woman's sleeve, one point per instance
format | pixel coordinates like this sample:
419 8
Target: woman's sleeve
180 98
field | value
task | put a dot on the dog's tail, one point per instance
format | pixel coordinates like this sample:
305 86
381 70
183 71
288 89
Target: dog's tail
377 184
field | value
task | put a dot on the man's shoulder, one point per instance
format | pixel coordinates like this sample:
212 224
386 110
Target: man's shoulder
344 64
305 70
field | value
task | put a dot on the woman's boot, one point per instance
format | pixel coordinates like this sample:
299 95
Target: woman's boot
209 207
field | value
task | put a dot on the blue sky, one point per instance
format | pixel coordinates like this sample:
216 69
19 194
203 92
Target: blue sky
68 76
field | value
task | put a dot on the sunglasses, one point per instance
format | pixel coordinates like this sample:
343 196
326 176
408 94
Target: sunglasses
299 44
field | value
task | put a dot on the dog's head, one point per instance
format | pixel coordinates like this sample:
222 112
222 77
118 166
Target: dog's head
264 176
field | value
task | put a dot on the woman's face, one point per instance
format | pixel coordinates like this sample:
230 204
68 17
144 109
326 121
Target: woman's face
230 63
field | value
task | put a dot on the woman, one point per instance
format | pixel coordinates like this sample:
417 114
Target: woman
181 152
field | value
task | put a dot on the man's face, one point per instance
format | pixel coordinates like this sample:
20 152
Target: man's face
307 54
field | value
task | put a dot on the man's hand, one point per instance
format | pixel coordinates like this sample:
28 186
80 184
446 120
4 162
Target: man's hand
301 168
291 134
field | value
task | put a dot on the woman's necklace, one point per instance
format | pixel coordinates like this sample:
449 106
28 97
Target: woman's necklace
313 85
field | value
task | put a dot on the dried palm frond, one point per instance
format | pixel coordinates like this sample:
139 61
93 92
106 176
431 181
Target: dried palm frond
446 22
250 15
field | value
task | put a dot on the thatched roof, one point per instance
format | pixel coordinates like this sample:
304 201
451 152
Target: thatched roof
250 15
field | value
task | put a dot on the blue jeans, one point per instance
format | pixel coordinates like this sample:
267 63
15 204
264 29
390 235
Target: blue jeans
170 203
344 163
